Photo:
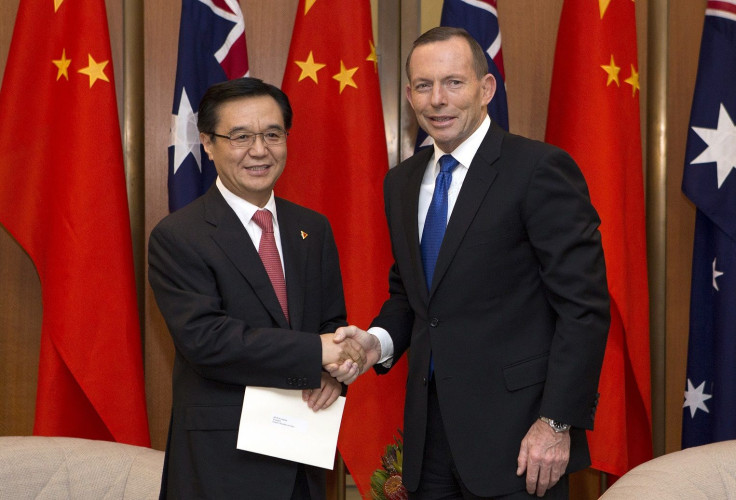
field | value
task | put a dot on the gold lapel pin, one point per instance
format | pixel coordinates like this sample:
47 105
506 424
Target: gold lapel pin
304 235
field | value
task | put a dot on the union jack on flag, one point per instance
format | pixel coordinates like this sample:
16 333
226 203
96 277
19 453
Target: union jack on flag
480 19
710 182
211 49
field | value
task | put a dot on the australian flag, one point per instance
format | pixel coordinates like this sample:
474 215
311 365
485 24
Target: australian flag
480 19
710 182
211 50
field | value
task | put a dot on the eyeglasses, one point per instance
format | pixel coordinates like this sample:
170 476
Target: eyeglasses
245 140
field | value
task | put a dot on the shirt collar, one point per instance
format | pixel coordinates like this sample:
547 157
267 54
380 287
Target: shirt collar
244 209
465 152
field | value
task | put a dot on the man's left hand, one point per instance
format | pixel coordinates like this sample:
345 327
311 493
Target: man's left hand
543 456
322 398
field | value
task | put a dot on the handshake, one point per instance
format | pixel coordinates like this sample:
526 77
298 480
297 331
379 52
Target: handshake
349 352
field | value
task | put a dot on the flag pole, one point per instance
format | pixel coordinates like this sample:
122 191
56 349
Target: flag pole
134 140
656 205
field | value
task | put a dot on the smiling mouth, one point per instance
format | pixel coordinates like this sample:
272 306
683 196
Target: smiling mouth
441 119
257 168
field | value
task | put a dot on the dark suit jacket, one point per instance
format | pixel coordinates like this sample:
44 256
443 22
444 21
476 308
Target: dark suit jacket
229 332
517 315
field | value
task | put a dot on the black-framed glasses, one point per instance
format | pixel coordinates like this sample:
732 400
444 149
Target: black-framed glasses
246 140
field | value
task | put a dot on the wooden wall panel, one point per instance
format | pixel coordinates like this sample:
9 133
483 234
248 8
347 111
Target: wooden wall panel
161 28
20 337
20 304
685 29
529 32
8 9
268 27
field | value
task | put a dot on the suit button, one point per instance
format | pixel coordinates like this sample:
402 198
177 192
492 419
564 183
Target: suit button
434 322
424 381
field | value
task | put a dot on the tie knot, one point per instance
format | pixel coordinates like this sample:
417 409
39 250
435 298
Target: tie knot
448 163
264 220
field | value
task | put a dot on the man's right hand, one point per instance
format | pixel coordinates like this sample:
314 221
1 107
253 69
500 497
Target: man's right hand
347 371
339 352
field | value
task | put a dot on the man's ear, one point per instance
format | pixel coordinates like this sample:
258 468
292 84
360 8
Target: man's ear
488 86
206 141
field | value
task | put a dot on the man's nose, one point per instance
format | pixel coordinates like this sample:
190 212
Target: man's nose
439 95
258 148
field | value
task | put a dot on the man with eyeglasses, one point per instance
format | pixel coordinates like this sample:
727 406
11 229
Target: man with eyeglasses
245 282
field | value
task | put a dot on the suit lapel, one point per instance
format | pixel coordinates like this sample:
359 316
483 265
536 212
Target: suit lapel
410 209
478 180
295 260
233 239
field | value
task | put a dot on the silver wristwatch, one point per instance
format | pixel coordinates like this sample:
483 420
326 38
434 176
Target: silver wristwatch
556 426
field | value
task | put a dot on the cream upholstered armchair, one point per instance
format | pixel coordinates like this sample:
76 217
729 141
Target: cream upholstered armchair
34 467
704 472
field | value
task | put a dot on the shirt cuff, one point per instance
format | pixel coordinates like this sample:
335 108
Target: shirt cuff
387 346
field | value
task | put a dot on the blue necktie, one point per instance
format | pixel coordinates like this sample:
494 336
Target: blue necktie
435 224
436 221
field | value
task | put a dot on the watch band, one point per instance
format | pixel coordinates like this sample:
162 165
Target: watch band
556 425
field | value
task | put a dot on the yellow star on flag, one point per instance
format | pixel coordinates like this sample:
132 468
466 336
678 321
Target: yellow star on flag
95 71
63 65
612 71
603 5
633 80
345 76
372 56
309 68
57 4
308 5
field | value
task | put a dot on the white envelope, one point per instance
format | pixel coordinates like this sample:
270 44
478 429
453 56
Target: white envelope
277 423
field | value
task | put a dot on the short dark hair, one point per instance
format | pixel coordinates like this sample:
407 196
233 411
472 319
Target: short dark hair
443 33
220 93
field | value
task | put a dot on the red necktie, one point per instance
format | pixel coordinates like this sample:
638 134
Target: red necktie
270 256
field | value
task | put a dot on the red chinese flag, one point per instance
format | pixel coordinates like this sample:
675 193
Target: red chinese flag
62 197
594 115
337 159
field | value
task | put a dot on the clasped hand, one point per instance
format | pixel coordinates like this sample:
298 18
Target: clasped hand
347 370
347 353
333 353
339 350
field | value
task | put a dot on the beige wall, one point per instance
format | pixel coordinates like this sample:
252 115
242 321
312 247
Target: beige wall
529 32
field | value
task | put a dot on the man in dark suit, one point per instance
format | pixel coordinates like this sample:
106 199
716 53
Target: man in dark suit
507 329
244 293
